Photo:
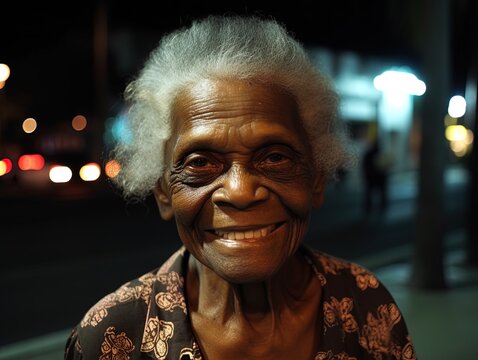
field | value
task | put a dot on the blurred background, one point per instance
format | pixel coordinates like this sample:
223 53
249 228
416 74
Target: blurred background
406 71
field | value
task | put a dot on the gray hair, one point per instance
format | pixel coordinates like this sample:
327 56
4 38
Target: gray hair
218 47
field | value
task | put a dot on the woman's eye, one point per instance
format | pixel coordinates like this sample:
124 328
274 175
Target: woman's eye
198 170
198 162
275 157
201 164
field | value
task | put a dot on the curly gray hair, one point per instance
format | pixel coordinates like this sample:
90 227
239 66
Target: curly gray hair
239 47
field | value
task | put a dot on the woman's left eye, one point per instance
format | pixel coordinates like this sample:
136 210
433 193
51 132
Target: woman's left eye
199 162
275 157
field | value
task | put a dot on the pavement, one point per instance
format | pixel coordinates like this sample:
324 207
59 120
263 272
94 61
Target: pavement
99 243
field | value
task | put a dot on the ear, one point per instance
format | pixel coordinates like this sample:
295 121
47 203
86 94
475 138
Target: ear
163 199
318 191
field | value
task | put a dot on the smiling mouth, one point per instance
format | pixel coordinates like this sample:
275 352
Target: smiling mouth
249 234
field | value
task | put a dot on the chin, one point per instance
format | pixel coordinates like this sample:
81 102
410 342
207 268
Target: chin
247 274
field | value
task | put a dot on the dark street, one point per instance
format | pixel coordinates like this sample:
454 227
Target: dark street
60 256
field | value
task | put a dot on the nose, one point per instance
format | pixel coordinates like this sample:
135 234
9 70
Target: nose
240 189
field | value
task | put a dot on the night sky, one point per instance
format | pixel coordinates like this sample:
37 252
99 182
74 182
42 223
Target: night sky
50 48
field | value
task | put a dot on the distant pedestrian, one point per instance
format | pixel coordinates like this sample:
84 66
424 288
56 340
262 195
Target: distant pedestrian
376 166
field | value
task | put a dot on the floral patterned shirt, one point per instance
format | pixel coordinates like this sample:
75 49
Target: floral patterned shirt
147 318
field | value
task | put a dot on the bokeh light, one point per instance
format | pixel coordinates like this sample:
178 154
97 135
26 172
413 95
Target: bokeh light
457 106
449 120
4 72
31 162
455 133
460 138
60 174
29 125
5 166
79 122
90 172
112 168
395 81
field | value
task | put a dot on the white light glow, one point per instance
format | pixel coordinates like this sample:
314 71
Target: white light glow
399 82
90 172
457 106
60 174
4 72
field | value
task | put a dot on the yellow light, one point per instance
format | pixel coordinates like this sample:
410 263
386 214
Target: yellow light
469 137
4 72
60 174
78 122
450 120
458 146
5 166
112 168
456 133
461 141
29 125
90 172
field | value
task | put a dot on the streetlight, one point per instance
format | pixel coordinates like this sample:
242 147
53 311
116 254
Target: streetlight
395 110
4 74
399 81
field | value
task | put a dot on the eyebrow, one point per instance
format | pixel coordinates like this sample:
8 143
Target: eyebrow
204 143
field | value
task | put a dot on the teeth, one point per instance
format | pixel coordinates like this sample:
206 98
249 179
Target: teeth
249 234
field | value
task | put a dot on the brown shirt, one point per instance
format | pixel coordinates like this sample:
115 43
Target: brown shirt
147 318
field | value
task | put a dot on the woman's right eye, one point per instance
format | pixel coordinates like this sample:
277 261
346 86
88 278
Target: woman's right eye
198 170
198 162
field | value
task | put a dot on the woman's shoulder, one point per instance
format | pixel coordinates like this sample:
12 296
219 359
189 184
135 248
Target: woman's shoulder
342 276
122 313
335 265
359 309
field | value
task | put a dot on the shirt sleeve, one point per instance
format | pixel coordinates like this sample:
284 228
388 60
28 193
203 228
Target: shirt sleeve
361 318
72 347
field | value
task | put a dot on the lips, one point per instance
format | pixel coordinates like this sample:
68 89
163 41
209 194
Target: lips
250 233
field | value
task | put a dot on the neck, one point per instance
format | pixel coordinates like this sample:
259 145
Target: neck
213 296
262 320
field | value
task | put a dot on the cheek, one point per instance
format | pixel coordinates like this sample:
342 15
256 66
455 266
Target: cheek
187 203
297 198
301 203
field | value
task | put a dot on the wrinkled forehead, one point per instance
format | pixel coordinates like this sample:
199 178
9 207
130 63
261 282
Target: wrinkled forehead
211 98
235 116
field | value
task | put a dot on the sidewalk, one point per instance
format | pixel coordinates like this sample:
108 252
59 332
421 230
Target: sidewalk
442 323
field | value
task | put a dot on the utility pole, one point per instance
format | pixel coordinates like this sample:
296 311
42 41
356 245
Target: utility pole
428 262
472 122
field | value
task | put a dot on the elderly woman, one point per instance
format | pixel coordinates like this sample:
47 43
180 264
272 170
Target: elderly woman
236 134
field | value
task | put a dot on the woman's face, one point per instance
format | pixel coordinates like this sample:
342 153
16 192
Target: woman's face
239 179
